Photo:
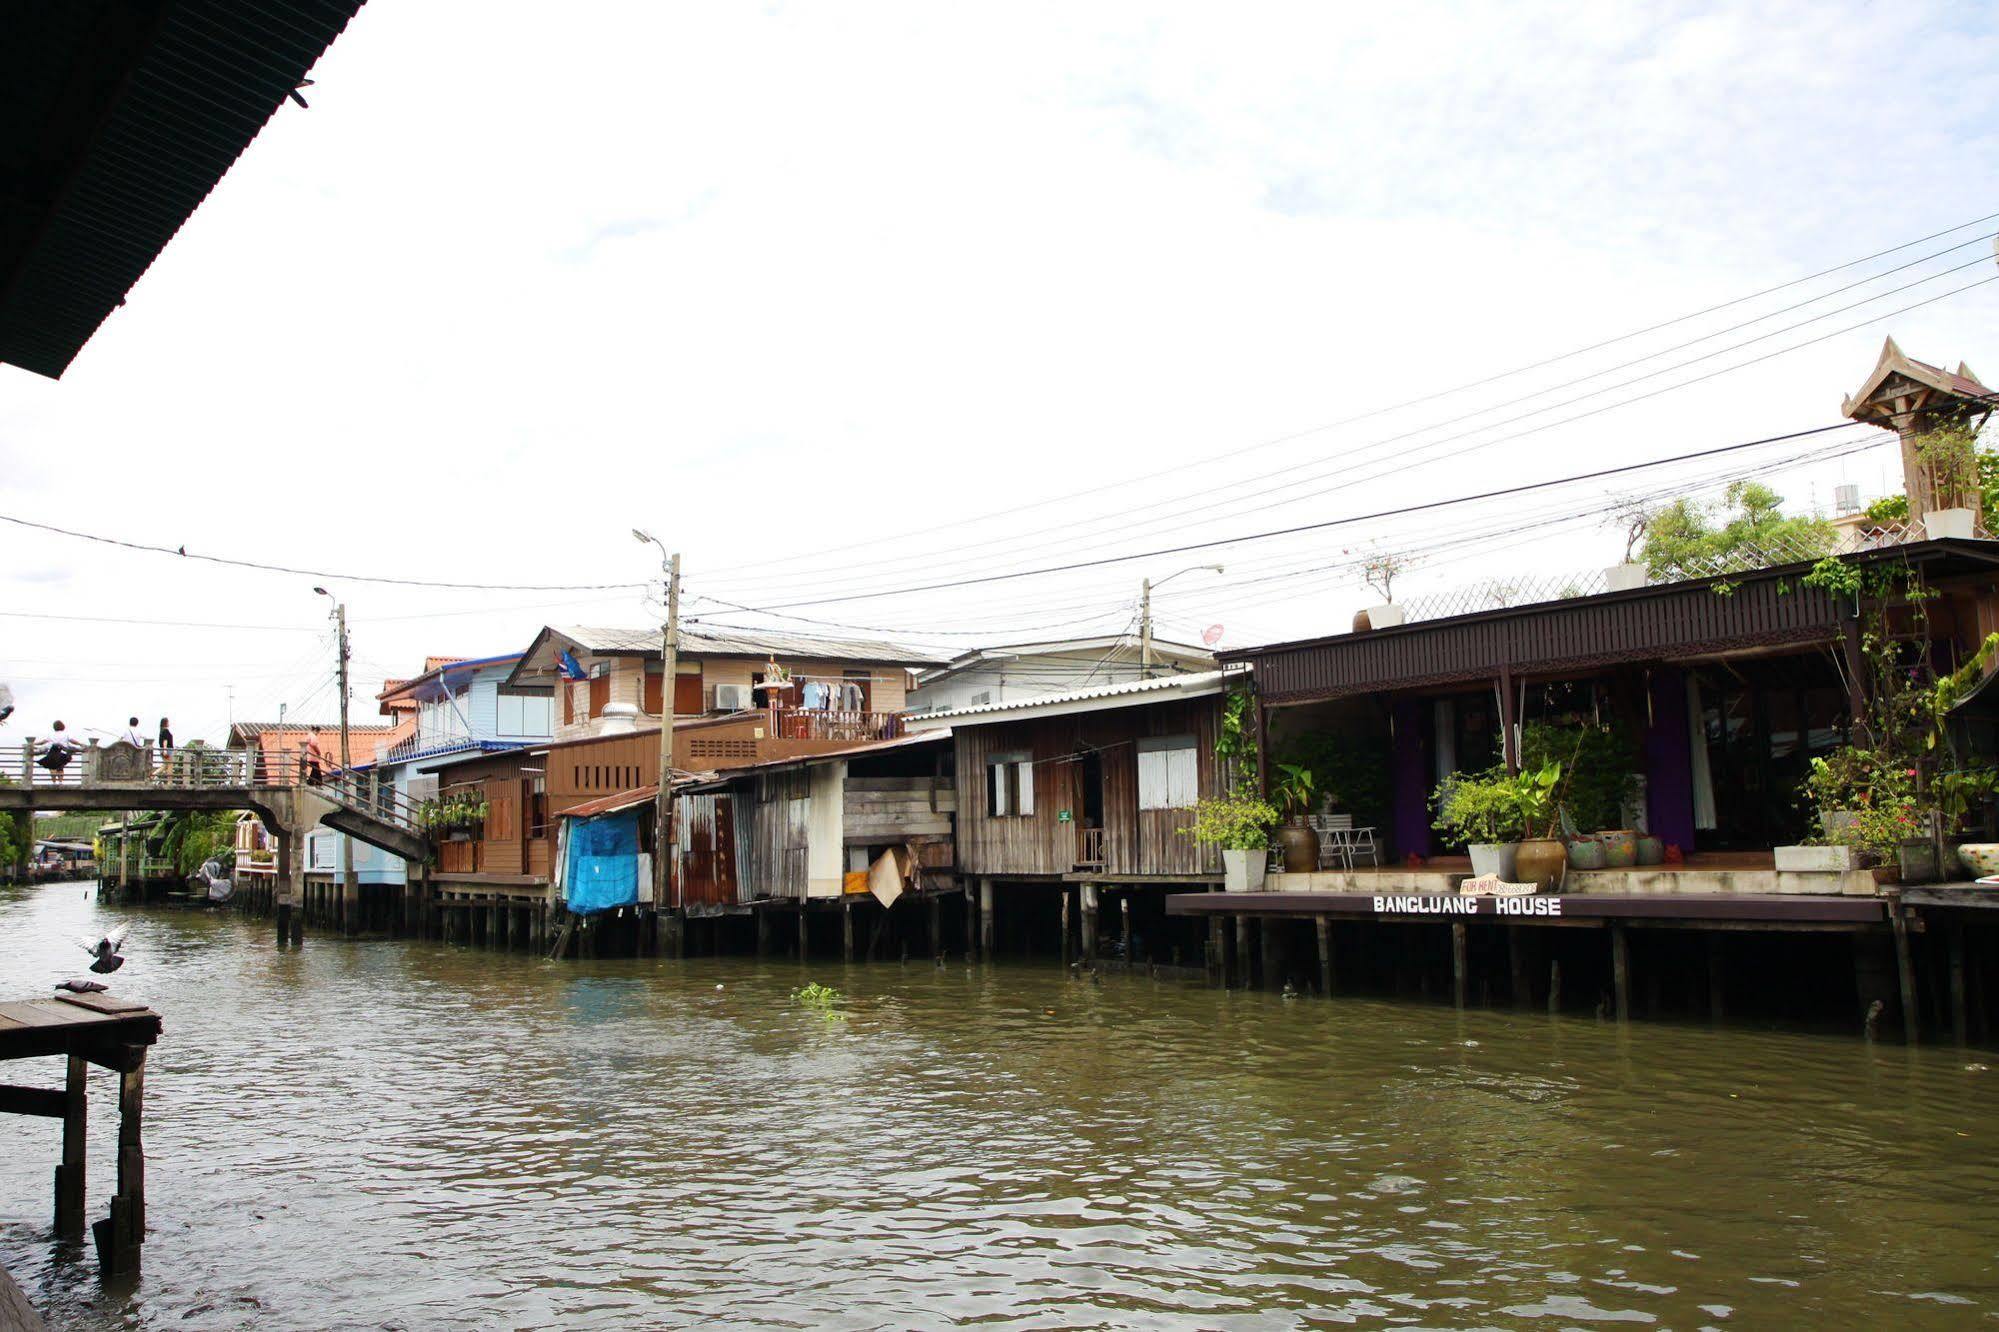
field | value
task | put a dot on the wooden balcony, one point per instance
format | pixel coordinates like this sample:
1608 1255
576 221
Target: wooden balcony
832 724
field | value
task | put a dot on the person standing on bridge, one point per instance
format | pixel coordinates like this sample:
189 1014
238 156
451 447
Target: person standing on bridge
132 736
61 749
166 737
314 760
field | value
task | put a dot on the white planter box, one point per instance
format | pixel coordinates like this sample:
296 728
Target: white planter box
1493 859
1817 859
1624 577
1386 616
1957 523
1243 871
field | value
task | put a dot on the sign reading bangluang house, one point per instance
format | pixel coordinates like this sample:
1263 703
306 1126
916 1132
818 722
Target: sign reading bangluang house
1468 906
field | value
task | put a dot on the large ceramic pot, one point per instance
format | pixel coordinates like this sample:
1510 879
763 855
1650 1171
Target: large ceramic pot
1301 846
1586 853
1493 858
1651 851
1541 861
1620 848
1980 858
1243 871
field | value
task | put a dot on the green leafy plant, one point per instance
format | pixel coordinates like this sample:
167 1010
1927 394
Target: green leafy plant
1534 795
1482 807
1950 454
821 999
1600 764
1352 769
1235 745
1961 791
1739 533
1233 823
1294 790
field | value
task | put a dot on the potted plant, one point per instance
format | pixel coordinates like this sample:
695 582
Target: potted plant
1958 793
1380 570
1631 517
1483 812
1240 826
1292 794
1950 456
1540 859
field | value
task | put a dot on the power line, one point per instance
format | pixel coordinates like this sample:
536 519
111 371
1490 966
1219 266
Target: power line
173 624
1314 527
184 553
820 552
1289 481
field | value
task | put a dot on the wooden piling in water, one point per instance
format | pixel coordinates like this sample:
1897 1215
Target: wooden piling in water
1620 970
1458 960
1959 1025
1323 927
986 919
1555 985
1218 952
1245 954
1905 970
70 1170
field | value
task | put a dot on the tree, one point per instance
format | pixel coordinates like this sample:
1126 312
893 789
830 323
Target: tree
1748 529
1895 508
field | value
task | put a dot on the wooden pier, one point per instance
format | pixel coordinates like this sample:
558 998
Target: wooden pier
111 1033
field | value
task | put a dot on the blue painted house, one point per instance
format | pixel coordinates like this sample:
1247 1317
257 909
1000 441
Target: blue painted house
466 716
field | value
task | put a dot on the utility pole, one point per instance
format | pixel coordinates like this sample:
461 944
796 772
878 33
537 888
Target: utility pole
669 654
1145 615
350 891
1145 630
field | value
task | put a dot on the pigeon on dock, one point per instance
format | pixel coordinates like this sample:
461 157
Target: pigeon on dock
82 985
105 950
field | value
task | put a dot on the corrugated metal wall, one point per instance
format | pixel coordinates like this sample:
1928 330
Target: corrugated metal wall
1588 632
772 836
707 833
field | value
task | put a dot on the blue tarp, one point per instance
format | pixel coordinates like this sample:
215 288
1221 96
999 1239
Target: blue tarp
602 867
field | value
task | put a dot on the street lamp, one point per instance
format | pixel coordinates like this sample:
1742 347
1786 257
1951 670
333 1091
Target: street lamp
669 643
1145 614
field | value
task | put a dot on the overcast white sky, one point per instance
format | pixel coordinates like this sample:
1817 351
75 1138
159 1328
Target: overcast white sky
776 281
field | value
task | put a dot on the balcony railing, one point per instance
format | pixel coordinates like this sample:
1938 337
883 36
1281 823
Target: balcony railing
1089 848
830 724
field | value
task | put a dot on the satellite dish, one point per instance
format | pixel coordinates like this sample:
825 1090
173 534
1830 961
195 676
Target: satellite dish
1211 635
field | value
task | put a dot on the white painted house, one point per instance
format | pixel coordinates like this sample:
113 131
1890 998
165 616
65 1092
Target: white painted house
986 677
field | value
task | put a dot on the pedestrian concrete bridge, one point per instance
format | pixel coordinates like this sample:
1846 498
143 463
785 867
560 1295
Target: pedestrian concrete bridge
290 794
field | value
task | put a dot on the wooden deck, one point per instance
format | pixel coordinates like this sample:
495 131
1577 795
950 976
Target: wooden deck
110 1033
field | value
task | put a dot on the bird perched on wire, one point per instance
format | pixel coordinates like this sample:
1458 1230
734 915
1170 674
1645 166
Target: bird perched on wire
105 950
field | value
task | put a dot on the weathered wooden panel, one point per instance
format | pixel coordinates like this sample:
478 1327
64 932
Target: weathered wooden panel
1046 843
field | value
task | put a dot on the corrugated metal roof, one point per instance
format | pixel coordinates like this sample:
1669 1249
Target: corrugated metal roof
120 120
1206 682
699 640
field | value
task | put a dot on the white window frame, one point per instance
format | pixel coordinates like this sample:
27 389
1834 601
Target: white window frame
1010 785
1169 772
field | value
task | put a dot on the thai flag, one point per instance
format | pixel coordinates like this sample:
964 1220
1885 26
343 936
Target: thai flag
570 670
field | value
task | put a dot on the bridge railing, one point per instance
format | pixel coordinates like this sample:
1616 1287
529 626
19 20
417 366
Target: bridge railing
146 767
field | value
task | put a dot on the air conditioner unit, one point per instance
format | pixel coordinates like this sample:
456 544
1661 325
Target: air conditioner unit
732 698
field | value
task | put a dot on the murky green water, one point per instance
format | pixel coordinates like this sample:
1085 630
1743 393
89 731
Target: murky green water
387 1135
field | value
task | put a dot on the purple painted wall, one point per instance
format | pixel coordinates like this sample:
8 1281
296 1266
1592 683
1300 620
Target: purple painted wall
1669 773
1411 786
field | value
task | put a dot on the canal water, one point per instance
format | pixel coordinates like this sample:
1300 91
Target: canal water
391 1135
